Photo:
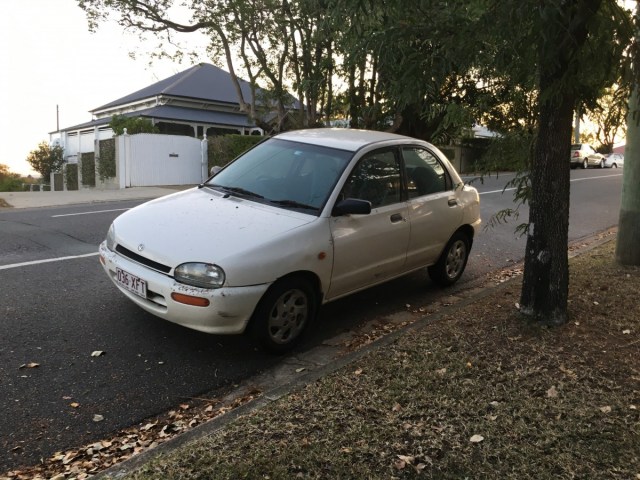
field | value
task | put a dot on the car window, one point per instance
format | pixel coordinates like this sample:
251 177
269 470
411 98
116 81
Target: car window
425 173
376 179
286 174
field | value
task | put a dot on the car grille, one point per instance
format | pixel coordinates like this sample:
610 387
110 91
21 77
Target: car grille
125 252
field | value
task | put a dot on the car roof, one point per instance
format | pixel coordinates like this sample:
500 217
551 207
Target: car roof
342 138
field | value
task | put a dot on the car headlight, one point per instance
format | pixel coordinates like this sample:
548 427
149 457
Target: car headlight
202 275
111 238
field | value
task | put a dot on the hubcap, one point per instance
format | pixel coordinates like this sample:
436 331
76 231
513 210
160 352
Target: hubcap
455 259
288 316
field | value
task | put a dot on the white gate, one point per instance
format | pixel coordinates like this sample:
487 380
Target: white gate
147 159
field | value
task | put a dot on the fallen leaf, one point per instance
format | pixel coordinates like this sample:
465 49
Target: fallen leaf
30 365
184 406
98 418
476 439
633 407
442 371
300 370
345 450
596 303
97 353
358 371
396 408
148 427
626 332
552 392
469 365
606 409
74 404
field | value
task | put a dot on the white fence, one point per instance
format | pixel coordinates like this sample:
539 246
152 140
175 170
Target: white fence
145 160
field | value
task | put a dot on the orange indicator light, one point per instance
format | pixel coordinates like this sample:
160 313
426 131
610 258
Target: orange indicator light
190 300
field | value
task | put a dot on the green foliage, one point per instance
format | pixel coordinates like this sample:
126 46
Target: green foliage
224 148
46 159
88 169
11 183
72 176
107 163
133 125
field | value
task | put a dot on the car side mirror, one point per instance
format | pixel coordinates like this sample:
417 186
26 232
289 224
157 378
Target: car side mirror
215 169
351 206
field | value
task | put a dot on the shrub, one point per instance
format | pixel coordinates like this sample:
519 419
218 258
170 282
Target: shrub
72 176
224 148
107 162
88 169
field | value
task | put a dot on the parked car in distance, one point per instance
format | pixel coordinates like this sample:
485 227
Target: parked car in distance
299 220
614 160
583 155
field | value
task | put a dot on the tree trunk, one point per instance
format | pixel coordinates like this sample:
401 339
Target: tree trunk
545 286
627 251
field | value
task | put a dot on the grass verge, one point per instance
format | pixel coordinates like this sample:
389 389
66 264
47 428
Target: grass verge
478 393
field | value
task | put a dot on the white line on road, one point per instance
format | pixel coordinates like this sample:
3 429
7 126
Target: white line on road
46 260
89 213
574 180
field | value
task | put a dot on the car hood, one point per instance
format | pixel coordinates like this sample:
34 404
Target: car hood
201 225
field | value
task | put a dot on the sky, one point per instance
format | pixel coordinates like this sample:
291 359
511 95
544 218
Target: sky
48 57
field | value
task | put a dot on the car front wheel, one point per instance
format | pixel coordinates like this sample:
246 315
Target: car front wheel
452 261
601 163
614 166
585 163
283 313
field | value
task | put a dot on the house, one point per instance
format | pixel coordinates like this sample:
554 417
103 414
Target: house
200 101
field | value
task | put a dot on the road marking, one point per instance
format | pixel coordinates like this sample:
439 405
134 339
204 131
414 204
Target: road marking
46 260
574 180
89 213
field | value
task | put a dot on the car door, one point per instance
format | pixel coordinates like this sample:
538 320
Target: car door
434 212
370 248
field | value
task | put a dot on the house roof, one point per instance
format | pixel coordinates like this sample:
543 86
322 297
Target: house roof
181 114
203 82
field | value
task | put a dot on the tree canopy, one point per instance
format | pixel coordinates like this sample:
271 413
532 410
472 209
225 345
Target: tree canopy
46 159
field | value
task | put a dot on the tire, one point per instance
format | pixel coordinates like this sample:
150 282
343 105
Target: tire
585 163
601 163
283 314
452 261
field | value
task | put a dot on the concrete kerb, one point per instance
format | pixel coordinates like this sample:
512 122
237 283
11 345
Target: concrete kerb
19 200
322 361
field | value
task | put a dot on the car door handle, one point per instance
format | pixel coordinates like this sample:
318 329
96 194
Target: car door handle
453 202
396 217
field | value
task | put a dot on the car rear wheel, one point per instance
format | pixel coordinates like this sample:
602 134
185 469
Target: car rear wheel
282 315
585 163
452 261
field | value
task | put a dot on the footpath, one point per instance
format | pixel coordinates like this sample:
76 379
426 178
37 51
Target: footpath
463 388
49 199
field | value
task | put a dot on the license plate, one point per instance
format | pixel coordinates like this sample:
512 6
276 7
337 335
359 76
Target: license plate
131 282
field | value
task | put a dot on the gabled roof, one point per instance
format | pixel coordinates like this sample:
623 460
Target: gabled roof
181 114
202 82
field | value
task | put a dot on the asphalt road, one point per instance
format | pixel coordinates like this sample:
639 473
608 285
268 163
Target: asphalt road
57 313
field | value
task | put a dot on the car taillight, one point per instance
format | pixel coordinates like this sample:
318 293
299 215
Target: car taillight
576 153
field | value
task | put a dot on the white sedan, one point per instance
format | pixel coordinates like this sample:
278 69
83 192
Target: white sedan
301 219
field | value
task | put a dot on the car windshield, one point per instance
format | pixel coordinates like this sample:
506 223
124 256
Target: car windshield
286 174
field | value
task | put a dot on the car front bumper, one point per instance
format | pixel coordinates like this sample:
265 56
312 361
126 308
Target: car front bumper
228 312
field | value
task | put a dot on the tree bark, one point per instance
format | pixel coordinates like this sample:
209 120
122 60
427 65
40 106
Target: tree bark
545 286
627 251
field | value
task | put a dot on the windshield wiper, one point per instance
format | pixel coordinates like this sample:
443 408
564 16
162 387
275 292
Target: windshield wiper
294 204
241 191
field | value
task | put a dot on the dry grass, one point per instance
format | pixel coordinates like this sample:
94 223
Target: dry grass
479 393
